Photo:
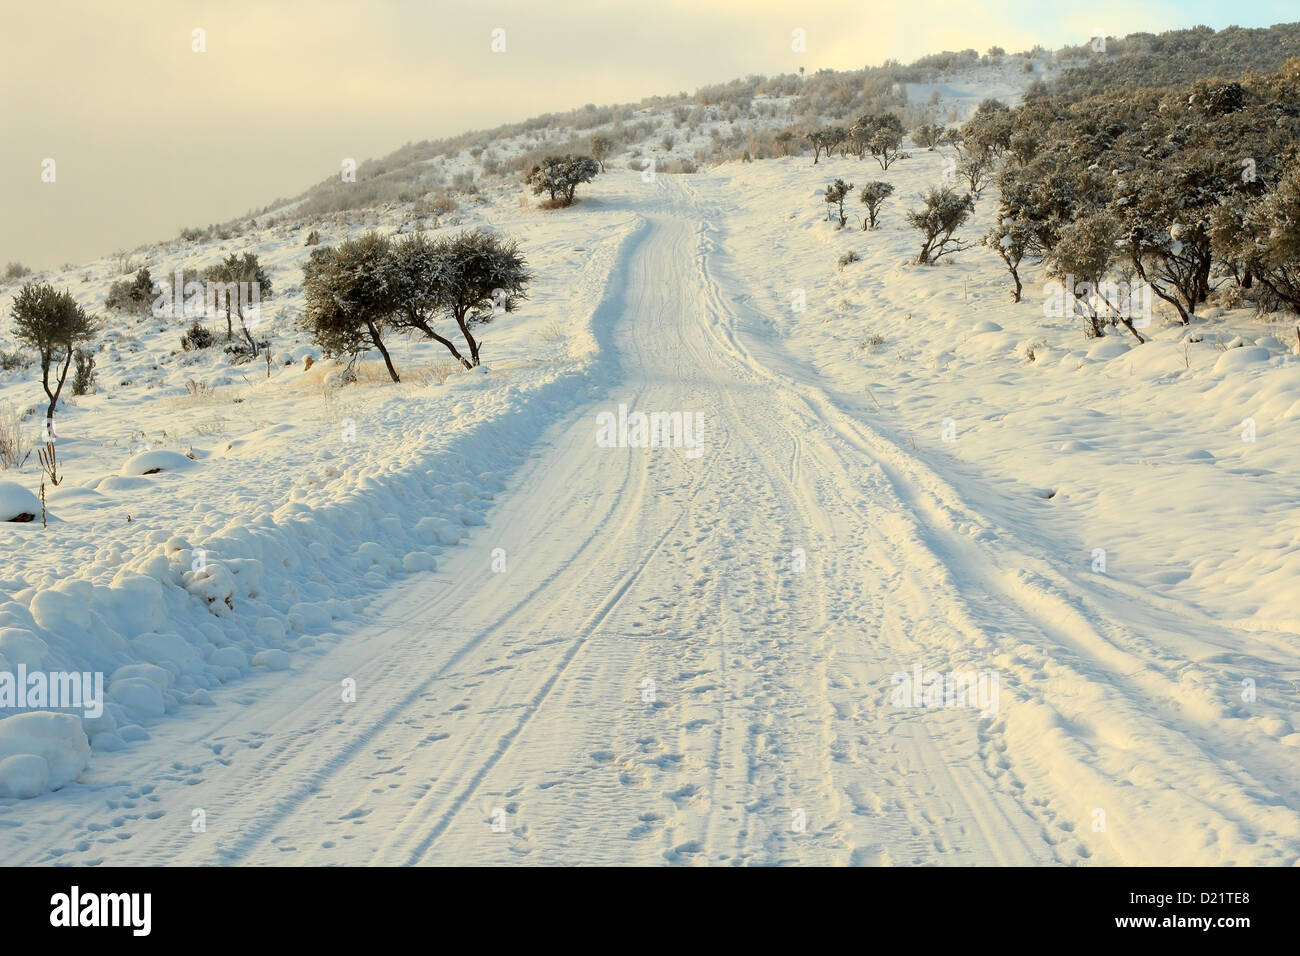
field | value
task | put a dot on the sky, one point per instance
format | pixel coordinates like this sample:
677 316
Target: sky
148 135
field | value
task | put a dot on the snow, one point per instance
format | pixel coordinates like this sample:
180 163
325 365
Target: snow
612 646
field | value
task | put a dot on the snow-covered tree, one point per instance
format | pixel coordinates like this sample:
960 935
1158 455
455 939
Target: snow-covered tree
561 175
927 135
1166 210
53 324
602 147
1012 242
825 140
989 130
1082 254
234 278
1264 238
417 263
881 135
481 275
836 193
350 297
976 168
942 213
873 196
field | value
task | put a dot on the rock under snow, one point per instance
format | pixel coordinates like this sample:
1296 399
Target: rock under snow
17 503
150 462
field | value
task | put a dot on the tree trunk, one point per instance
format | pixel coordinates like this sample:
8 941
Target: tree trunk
379 344
1082 308
248 336
53 396
1123 319
1203 280
1172 300
469 339
448 344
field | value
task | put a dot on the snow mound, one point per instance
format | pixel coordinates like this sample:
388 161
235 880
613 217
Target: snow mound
419 561
24 776
16 502
1236 358
273 659
149 462
57 739
1108 348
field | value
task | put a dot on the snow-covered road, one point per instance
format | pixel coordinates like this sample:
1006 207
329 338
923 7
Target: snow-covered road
690 659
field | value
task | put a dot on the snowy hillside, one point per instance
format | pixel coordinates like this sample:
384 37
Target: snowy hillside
441 621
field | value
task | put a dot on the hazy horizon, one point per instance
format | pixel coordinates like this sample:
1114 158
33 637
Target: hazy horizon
149 136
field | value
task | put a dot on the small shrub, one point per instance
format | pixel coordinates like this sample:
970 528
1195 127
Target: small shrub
16 270
848 257
443 205
872 344
1031 349
197 337
439 372
313 238
14 360
124 263
15 448
83 375
131 295
835 195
